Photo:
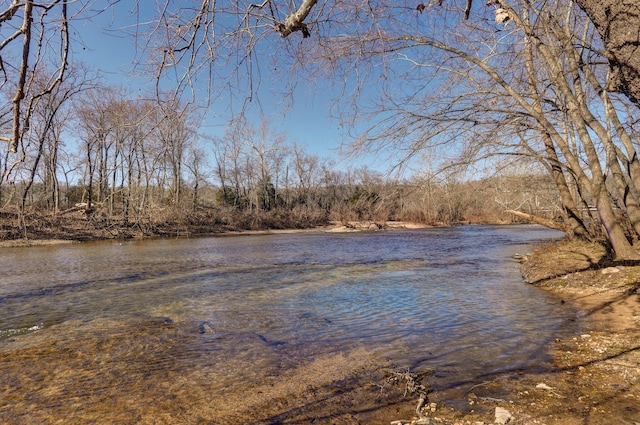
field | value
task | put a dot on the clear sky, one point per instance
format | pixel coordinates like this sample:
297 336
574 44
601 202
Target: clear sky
309 120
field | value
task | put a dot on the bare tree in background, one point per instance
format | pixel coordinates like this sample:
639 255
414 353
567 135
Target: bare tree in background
174 134
41 32
40 152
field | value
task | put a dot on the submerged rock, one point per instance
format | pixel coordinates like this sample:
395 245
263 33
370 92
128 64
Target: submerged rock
206 328
270 343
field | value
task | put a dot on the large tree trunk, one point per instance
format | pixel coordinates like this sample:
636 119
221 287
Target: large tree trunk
575 225
615 233
617 22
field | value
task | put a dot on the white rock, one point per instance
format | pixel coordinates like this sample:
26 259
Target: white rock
543 386
610 270
502 416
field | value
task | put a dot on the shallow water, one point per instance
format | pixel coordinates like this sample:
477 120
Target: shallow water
109 325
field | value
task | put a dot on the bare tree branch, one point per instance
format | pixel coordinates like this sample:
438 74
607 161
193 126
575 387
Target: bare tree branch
295 21
24 65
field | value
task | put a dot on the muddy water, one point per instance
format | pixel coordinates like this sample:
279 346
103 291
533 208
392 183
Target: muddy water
287 328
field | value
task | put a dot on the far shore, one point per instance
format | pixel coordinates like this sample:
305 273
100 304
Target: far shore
333 227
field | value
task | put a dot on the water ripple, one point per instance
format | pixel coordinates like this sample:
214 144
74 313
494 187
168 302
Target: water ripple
446 298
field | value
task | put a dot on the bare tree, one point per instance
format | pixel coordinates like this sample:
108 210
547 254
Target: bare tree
307 172
174 134
613 19
195 164
229 167
535 89
40 33
44 133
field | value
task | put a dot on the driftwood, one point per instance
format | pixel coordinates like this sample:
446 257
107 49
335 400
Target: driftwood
538 220
412 384
81 206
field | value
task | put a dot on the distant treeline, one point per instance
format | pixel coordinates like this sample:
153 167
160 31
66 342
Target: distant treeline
344 197
118 162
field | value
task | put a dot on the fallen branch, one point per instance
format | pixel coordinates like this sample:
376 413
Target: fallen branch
81 206
538 220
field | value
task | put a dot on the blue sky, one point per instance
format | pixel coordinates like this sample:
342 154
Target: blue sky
308 121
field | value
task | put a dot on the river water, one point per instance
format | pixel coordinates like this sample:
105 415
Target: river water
214 330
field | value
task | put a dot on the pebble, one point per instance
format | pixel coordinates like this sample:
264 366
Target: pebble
610 270
503 416
543 386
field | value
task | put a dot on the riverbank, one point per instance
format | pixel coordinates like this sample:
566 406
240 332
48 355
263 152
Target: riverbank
595 374
73 231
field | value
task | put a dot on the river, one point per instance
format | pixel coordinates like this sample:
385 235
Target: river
276 328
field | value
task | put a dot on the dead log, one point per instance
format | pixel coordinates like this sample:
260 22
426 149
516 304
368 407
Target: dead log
538 220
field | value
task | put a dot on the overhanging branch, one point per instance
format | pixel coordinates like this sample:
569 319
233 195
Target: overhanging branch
295 21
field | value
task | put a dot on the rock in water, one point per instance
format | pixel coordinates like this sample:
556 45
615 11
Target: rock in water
206 328
502 416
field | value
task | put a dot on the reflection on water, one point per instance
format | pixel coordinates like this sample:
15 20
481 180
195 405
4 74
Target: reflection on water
99 327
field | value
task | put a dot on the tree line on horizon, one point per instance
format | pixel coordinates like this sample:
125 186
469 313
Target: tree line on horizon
115 161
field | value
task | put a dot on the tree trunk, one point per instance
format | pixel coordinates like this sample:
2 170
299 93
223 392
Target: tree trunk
576 226
90 167
55 184
617 22
615 233
32 175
